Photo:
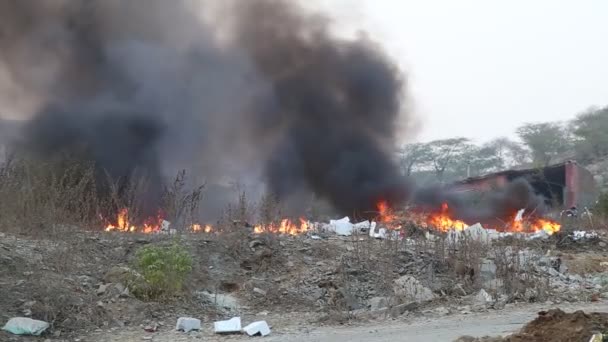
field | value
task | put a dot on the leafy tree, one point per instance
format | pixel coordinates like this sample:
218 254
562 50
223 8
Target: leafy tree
590 131
546 141
508 153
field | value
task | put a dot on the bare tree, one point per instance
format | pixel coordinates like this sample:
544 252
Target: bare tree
412 155
445 152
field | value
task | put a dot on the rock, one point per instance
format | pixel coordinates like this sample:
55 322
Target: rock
102 289
487 270
187 324
409 289
378 303
259 291
153 328
230 326
147 338
400 309
602 244
255 243
121 274
442 310
25 326
224 301
500 303
257 328
483 298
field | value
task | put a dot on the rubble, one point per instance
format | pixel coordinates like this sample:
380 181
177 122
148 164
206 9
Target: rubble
483 299
378 303
409 289
25 326
230 326
257 328
187 324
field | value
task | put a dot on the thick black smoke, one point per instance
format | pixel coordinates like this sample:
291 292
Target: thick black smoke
336 103
255 90
149 85
494 208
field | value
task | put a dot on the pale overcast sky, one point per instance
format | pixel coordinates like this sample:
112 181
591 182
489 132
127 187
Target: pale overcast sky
480 68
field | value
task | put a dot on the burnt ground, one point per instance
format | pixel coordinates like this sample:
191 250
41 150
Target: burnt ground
296 283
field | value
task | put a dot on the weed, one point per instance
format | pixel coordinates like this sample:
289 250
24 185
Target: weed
164 270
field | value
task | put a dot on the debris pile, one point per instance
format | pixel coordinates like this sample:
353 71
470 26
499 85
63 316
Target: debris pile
556 326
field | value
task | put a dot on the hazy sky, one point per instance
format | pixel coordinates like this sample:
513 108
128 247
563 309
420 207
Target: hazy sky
480 68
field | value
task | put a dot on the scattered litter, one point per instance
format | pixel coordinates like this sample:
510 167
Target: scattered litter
257 328
342 226
581 234
25 326
315 237
188 324
230 326
599 337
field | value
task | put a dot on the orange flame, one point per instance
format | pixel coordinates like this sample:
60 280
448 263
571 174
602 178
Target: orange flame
122 222
286 226
150 225
199 228
548 226
385 213
444 222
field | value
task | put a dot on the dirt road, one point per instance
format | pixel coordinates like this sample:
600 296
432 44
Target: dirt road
445 328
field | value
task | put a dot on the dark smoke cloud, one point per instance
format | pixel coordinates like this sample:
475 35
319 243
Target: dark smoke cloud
259 92
151 86
337 102
497 207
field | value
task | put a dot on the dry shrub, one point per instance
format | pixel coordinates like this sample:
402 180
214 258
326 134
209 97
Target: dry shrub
180 203
516 272
46 196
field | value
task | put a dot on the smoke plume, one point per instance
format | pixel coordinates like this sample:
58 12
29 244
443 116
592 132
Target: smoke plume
254 91
266 93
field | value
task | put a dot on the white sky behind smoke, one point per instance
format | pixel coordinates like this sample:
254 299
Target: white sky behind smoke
481 68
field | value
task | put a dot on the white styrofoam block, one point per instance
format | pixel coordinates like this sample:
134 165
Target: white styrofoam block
259 327
188 324
232 325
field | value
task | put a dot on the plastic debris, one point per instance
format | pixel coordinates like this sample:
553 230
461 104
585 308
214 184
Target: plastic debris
257 328
342 226
597 337
25 326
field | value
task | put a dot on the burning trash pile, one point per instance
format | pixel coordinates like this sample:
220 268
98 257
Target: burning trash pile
388 223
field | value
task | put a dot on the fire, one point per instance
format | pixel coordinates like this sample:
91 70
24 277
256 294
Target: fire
385 213
286 226
122 222
548 226
444 222
199 228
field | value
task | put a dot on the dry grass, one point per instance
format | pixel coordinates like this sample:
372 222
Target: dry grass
44 198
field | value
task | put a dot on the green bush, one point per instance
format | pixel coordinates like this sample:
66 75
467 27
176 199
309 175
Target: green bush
164 270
